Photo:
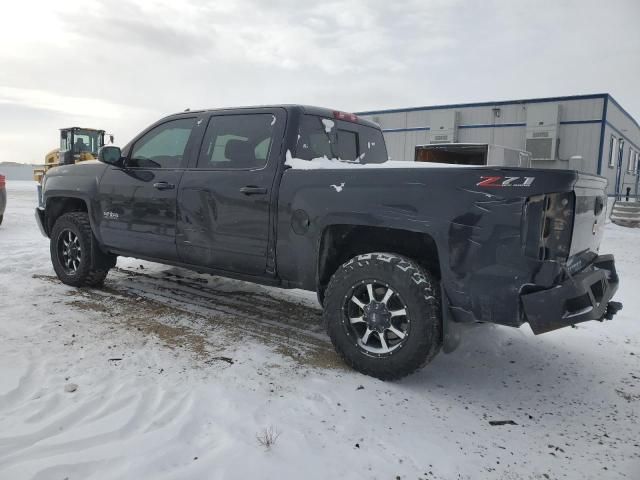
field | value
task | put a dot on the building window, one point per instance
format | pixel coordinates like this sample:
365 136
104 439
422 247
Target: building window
637 160
613 151
630 161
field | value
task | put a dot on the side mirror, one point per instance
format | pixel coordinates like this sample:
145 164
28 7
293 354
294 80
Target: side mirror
110 154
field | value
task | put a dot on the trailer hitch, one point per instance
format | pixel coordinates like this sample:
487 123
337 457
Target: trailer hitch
612 309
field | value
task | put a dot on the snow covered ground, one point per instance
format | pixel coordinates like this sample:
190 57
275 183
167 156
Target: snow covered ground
177 376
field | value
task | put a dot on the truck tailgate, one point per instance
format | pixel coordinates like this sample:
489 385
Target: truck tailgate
590 213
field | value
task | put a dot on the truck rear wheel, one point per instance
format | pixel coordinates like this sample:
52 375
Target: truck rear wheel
71 251
382 313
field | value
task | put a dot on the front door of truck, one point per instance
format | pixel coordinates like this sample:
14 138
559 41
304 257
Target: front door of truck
226 194
138 201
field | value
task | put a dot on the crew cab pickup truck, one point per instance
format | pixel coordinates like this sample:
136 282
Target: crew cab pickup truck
399 253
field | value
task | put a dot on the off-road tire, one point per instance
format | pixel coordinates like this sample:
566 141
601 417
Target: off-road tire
86 274
420 292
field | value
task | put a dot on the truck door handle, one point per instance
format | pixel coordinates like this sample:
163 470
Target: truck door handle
164 186
252 190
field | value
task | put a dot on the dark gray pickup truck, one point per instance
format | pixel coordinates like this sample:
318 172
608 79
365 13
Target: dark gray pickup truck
399 253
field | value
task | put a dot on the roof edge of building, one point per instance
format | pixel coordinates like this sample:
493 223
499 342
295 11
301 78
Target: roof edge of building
497 102
629 116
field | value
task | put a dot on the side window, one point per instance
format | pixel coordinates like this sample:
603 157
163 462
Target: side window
262 149
64 142
613 151
237 141
164 146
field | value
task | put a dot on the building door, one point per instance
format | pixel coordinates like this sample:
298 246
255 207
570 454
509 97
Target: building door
620 167
636 170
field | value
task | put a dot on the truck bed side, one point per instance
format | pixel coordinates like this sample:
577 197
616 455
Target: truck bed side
475 217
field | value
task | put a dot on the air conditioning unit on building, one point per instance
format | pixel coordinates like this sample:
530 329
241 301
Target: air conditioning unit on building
444 126
543 122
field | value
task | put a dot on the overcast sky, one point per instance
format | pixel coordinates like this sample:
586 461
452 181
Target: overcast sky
121 64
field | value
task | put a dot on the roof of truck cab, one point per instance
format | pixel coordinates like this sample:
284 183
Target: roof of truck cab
308 109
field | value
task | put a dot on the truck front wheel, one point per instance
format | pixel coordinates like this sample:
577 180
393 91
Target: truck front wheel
71 251
382 313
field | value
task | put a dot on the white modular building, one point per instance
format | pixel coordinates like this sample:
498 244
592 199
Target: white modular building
590 133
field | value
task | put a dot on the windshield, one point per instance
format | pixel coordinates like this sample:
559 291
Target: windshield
87 141
325 137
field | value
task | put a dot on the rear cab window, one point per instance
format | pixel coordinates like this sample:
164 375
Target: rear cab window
338 139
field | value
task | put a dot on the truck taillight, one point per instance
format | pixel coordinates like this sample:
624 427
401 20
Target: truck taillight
548 226
347 117
3 181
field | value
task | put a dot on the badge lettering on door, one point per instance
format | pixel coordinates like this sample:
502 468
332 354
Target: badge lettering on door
498 181
110 215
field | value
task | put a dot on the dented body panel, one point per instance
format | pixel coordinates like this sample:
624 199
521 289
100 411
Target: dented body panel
479 228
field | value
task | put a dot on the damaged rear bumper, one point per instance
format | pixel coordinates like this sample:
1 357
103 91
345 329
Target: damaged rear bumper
584 296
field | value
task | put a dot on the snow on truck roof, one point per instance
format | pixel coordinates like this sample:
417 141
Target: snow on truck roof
325 163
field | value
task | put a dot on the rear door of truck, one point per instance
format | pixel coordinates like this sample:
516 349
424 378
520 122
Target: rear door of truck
226 192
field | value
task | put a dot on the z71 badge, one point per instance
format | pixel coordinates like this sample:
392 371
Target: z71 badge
505 181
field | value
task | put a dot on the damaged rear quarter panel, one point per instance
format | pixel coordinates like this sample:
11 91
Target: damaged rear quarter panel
477 228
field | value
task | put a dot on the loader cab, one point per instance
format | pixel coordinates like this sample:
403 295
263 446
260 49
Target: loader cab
80 144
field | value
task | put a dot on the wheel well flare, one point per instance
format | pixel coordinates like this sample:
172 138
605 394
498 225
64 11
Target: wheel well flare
339 243
58 206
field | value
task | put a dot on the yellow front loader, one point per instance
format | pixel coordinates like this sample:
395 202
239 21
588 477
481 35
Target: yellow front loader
76 145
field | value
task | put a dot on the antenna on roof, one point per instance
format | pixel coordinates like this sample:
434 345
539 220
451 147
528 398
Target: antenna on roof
187 109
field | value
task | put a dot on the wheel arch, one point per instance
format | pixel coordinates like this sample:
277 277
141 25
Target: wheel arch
341 242
59 205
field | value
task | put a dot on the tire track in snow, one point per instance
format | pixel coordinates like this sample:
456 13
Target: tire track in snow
215 318
250 304
294 329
